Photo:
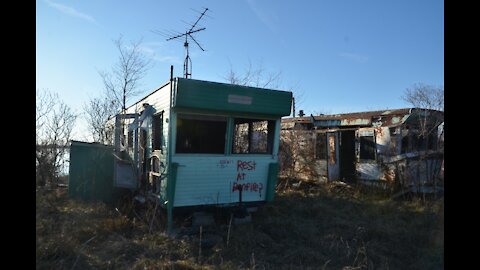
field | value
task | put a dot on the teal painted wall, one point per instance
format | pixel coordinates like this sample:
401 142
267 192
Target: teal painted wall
210 179
195 94
91 172
206 179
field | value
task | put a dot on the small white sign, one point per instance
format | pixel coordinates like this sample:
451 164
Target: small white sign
245 100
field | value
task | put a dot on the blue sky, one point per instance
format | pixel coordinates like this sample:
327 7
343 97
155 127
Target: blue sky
339 55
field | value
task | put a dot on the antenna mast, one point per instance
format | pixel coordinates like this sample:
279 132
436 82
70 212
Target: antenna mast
187 65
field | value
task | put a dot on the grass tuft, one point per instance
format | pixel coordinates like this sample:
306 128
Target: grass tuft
308 226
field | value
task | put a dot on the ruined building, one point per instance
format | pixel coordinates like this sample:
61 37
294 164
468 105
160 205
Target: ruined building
402 147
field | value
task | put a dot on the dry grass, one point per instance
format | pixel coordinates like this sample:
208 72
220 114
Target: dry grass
311 226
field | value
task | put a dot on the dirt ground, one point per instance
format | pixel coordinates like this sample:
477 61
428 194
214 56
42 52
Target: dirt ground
307 226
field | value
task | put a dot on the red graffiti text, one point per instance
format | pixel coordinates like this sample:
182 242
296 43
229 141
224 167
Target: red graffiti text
246 165
249 187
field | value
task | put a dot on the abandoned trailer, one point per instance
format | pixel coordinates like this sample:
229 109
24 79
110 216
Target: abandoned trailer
402 147
191 143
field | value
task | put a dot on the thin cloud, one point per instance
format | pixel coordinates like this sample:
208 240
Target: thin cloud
268 19
157 44
70 11
149 52
360 58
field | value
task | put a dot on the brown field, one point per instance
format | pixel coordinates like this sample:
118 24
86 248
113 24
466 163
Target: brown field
311 226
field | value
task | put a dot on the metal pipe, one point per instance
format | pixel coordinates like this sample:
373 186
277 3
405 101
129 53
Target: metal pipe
240 188
169 159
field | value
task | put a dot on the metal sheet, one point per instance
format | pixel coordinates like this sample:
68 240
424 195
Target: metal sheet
91 171
333 154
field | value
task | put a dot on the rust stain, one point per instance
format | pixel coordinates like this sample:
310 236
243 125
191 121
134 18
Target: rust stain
331 143
389 175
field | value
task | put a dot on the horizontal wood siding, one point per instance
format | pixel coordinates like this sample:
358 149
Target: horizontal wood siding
210 179
160 100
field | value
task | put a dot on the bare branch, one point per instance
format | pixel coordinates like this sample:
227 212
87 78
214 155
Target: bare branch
256 77
97 113
45 101
123 82
259 77
55 121
425 96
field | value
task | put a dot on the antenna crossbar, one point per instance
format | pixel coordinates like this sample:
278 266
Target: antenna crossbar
187 66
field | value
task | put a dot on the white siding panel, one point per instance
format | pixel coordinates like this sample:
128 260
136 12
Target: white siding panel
369 170
208 179
382 140
160 100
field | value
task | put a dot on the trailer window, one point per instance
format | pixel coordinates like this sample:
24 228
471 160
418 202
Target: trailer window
331 145
405 135
130 139
433 140
367 147
393 140
201 134
321 146
157 131
253 136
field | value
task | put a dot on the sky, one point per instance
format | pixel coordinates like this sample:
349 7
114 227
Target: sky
337 56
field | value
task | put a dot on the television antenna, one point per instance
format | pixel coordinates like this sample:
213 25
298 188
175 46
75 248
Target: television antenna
187 65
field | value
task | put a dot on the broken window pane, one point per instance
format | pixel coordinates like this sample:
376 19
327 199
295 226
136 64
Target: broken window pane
420 143
321 146
433 140
130 139
201 134
393 140
331 144
253 136
367 147
405 141
157 131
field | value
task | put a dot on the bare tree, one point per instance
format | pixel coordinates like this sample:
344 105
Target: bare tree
429 102
256 77
297 155
54 122
98 111
44 105
260 77
123 81
426 98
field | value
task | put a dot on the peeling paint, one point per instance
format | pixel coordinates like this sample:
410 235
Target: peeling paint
369 171
396 120
355 122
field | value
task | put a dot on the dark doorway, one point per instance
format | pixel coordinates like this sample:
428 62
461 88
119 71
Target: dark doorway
347 156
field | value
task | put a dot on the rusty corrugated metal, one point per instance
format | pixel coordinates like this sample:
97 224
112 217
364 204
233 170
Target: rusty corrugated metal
356 122
327 123
379 118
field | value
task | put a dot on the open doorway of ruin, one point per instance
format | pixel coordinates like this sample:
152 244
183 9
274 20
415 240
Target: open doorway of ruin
347 155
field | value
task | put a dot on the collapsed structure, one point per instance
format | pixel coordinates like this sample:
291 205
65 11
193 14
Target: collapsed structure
402 147
197 143
189 143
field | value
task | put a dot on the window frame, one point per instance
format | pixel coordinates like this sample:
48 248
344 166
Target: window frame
319 154
205 118
157 132
373 142
271 125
